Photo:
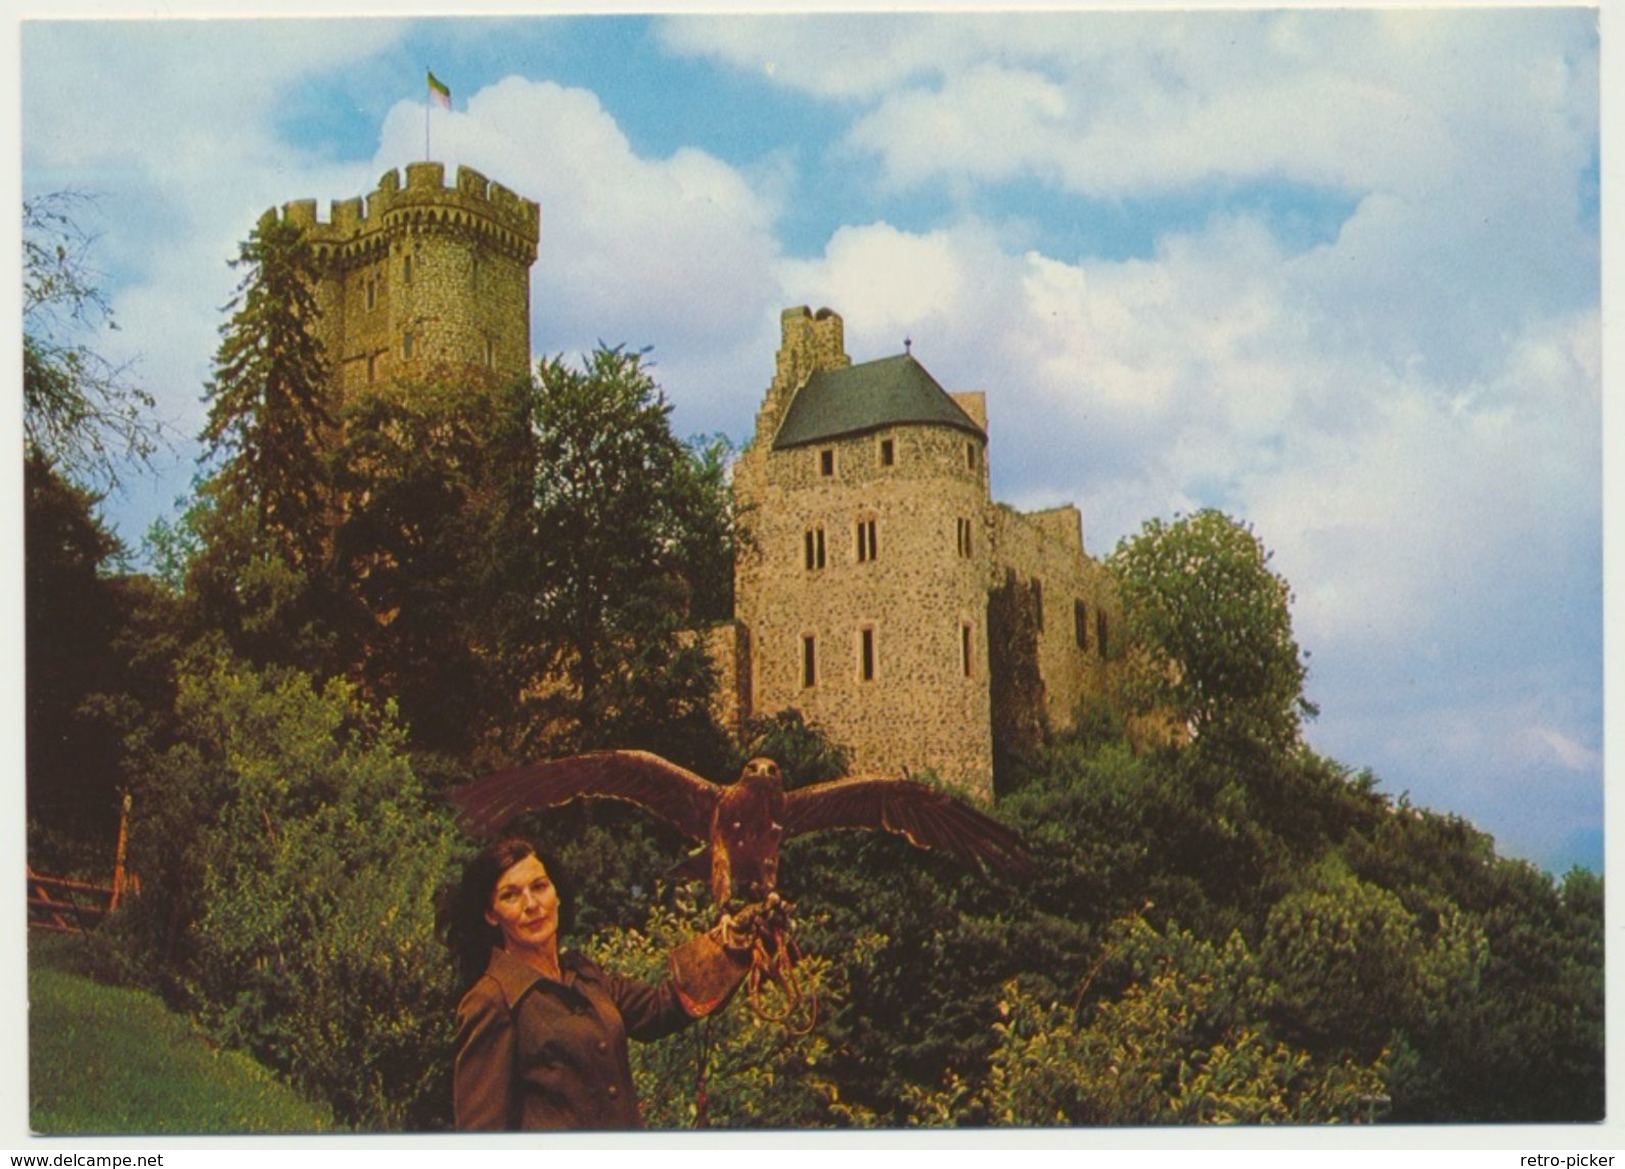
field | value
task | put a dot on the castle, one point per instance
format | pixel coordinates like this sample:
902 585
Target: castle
865 592
879 591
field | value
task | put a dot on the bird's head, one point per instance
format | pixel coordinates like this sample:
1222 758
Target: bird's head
761 767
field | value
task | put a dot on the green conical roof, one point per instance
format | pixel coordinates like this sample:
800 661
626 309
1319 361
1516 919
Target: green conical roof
893 391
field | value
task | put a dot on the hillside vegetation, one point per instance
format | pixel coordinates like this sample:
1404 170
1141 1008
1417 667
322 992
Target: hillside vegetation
1226 928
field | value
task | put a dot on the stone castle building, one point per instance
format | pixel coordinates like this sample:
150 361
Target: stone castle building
881 592
423 276
867 594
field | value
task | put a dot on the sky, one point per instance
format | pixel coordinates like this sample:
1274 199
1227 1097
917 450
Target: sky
1335 272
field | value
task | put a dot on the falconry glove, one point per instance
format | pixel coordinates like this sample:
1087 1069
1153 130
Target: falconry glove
707 969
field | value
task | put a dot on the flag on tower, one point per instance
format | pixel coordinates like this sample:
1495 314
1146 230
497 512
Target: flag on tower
439 93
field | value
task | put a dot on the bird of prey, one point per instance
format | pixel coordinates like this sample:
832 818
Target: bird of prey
741 824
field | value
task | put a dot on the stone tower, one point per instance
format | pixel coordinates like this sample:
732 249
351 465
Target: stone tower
424 277
874 591
863 588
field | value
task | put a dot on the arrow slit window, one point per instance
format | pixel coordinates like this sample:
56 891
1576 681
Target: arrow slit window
867 548
813 548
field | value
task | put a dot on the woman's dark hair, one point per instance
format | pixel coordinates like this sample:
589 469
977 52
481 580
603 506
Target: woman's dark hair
467 933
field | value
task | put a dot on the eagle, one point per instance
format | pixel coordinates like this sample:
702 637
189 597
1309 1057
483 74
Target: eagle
741 824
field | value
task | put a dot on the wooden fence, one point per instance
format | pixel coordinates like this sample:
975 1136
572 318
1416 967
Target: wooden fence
75 907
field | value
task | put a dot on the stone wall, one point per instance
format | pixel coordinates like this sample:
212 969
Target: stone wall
892 603
1077 599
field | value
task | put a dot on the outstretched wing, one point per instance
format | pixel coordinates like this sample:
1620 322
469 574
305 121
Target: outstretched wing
929 818
639 777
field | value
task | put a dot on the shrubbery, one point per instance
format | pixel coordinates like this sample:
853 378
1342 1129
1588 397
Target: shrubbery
290 862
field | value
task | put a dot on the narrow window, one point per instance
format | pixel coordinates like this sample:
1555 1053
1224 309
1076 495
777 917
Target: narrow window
814 548
826 463
372 292
964 533
866 541
1100 631
866 654
490 353
1080 624
406 268
888 452
964 649
408 345
809 661
970 455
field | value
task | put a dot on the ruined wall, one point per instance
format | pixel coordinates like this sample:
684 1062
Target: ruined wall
1078 604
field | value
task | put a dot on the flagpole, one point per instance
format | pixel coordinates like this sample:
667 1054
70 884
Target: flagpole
428 107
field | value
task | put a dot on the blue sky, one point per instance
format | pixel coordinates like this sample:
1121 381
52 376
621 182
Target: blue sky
1335 272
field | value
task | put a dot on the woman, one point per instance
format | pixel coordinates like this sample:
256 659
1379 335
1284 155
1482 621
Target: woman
541 1034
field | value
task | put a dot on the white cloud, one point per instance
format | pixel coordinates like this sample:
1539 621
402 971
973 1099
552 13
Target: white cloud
1545 743
181 162
673 252
111 90
1112 104
991 124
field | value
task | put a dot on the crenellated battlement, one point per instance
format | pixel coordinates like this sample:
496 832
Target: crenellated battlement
424 202
421 274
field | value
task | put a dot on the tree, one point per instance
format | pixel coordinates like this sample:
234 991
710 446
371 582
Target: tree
631 525
289 862
1177 1045
70 623
1347 963
81 412
1211 627
268 418
432 553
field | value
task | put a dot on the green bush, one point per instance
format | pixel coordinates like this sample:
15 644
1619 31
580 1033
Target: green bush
1173 1046
753 1070
294 864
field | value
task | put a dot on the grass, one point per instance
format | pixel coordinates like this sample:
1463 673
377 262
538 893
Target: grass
106 1059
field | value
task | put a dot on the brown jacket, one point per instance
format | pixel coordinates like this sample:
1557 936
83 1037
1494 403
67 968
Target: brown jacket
533 1053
